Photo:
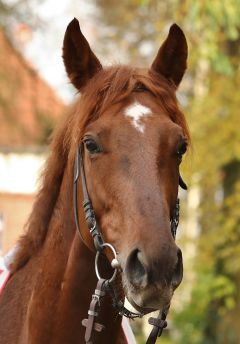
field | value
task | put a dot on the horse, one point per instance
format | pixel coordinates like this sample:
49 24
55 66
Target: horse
125 136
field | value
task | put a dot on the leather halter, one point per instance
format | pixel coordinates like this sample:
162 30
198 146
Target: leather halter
88 207
158 323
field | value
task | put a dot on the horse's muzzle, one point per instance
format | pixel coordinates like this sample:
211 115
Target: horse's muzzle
152 282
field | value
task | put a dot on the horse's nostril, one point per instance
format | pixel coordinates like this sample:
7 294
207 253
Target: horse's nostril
178 271
135 270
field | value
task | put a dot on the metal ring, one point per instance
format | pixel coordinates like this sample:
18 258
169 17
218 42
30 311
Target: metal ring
96 262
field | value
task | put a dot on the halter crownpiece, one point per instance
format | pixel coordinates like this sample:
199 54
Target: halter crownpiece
106 285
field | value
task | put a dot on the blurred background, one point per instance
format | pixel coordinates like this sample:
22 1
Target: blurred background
35 93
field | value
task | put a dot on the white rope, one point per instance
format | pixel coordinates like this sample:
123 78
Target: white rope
128 331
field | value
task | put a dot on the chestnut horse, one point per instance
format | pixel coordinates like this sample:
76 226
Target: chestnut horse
133 136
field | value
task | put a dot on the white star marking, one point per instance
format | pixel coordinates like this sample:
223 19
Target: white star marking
136 112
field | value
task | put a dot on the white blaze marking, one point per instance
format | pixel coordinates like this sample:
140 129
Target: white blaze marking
136 112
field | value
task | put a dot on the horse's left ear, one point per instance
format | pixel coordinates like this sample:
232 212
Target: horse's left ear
80 62
171 60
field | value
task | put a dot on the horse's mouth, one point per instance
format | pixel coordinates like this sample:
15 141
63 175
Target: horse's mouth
148 301
131 306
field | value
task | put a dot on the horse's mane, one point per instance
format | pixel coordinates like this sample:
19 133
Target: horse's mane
109 86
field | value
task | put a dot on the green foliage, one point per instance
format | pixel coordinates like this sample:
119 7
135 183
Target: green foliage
212 25
208 289
212 91
214 118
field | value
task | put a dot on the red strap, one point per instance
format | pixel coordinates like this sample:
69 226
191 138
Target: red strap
4 277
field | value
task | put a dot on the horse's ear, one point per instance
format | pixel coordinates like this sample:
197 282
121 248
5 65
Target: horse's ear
80 62
171 60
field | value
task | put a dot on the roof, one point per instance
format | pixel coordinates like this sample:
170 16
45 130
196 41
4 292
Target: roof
28 106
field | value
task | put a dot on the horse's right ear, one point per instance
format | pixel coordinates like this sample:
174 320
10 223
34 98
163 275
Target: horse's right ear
171 60
80 62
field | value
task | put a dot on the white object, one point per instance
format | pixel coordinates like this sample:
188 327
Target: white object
137 112
128 331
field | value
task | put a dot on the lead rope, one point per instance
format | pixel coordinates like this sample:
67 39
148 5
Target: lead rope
104 285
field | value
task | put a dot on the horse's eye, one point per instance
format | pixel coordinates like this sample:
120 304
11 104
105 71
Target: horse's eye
139 87
91 146
181 150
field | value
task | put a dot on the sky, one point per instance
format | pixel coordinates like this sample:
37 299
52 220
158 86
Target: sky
44 51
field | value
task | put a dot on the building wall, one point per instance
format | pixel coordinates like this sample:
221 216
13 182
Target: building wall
14 211
19 182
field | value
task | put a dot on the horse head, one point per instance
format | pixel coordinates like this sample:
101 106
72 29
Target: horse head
134 136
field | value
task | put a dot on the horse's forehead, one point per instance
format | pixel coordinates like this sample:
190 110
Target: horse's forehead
138 118
135 119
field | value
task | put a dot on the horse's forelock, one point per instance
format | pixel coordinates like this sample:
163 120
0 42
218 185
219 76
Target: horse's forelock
114 85
165 92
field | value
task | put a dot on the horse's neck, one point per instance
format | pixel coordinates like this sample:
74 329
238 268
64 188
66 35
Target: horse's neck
77 289
65 283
